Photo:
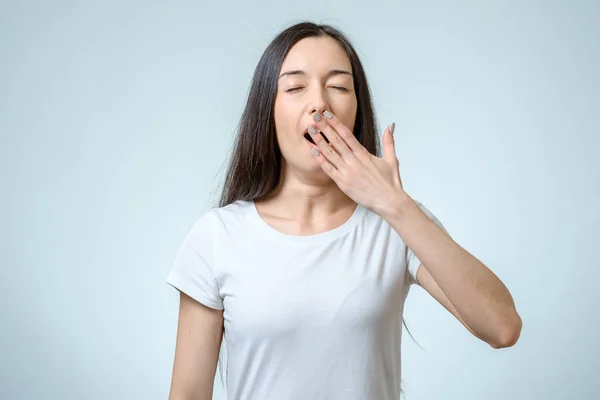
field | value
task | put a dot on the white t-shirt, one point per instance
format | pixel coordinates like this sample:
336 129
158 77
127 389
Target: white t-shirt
306 317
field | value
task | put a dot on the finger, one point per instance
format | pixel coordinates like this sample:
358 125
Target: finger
326 149
343 131
389 143
325 165
331 133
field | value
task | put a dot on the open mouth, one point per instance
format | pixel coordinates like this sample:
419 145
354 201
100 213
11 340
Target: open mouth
308 137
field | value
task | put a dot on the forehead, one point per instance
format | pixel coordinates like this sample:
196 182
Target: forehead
316 55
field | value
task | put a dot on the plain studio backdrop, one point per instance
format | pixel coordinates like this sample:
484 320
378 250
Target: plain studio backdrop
116 119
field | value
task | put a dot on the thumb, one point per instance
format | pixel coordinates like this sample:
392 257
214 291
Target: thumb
389 148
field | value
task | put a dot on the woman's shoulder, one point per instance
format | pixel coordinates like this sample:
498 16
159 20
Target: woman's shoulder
224 216
233 211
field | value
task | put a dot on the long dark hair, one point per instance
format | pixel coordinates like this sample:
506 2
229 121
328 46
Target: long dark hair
255 164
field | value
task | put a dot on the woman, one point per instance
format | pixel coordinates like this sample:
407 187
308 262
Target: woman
305 265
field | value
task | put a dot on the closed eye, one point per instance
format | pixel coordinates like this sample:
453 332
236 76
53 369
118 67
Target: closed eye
340 88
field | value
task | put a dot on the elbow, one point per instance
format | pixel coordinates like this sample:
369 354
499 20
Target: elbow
509 334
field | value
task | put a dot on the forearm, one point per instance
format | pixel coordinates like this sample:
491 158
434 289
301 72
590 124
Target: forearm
481 299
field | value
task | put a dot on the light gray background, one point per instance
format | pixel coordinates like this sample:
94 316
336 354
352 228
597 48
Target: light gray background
116 119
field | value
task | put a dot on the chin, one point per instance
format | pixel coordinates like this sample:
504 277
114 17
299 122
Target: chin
307 163
313 163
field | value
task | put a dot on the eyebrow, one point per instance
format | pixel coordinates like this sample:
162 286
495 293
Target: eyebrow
331 73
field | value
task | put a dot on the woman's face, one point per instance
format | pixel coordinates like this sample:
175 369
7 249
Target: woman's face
316 75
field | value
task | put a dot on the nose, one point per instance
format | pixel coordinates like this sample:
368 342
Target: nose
319 102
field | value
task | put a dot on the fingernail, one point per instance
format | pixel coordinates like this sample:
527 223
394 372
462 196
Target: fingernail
312 130
317 116
392 127
328 114
315 151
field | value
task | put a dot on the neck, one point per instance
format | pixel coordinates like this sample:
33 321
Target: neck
307 197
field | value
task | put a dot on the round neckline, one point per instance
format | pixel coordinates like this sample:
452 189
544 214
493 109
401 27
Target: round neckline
304 239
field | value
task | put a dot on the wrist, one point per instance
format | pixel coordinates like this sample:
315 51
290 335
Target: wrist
399 203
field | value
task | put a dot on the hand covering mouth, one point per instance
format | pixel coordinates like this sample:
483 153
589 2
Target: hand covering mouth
310 139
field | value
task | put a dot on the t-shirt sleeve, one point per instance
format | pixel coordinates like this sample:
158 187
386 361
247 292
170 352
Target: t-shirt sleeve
412 261
193 271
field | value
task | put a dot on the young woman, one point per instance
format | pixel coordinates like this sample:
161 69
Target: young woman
305 265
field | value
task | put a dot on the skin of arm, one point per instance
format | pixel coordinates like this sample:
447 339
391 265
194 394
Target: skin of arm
454 277
199 336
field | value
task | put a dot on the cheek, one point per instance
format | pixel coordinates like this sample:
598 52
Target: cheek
345 107
282 112
347 114
285 128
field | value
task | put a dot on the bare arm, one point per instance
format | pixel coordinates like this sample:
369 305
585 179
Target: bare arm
427 282
199 334
474 292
